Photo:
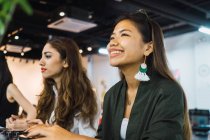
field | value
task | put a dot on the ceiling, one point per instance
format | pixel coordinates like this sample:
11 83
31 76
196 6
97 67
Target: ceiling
175 17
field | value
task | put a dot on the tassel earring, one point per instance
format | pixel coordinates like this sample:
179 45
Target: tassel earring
141 75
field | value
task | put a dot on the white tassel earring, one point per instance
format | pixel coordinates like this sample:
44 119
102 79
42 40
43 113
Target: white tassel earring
141 75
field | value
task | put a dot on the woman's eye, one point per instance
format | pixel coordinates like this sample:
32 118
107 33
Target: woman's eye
125 34
111 38
48 56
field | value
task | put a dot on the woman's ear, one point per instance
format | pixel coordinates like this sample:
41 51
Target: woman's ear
148 48
65 64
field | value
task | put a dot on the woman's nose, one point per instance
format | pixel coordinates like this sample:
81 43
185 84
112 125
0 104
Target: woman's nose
41 62
113 42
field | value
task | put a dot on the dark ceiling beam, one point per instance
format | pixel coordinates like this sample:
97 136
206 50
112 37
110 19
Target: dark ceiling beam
196 7
193 6
123 6
167 11
171 26
46 2
34 29
173 13
179 31
132 6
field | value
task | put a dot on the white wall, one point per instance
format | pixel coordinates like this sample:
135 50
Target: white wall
187 53
180 54
202 75
103 75
27 77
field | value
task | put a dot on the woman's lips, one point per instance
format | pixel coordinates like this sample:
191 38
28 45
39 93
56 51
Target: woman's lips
43 69
115 53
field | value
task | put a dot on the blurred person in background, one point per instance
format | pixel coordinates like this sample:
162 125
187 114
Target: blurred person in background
10 95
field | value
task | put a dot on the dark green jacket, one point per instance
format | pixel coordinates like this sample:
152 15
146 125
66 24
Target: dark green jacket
157 113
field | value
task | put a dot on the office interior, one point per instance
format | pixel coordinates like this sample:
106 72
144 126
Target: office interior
187 42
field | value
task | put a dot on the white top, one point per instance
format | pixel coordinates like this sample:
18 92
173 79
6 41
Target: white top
123 128
80 126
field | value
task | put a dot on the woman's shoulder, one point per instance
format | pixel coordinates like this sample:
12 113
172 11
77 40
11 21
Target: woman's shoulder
117 86
167 86
11 90
11 87
113 91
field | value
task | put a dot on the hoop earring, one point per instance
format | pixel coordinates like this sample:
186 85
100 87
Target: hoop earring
141 75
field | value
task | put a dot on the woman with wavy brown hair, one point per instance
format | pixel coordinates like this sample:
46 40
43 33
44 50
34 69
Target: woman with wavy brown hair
67 98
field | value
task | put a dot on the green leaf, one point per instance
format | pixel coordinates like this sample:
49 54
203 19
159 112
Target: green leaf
2 28
6 11
6 7
25 6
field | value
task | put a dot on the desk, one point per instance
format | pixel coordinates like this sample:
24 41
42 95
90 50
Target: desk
199 137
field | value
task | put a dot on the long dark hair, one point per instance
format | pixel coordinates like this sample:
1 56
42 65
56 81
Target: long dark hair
75 94
156 61
5 74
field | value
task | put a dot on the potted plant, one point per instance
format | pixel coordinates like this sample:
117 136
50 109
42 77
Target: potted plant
7 8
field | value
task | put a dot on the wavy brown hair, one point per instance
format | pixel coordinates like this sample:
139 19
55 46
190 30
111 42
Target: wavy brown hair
75 94
156 61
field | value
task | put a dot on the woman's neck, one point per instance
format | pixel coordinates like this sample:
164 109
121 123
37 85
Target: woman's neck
57 83
129 74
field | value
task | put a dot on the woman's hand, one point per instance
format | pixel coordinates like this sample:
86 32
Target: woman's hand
44 132
34 122
55 132
15 123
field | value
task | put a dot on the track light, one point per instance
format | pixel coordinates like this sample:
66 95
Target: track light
204 30
22 52
103 51
89 49
5 49
62 14
80 51
16 37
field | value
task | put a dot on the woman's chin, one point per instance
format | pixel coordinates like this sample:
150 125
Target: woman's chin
45 76
114 64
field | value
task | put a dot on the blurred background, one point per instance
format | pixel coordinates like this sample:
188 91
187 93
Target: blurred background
185 24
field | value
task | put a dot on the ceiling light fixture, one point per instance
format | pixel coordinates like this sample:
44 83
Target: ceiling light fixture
16 37
22 52
90 16
80 51
62 14
15 48
103 51
204 30
89 49
118 0
14 32
5 49
42 2
71 25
